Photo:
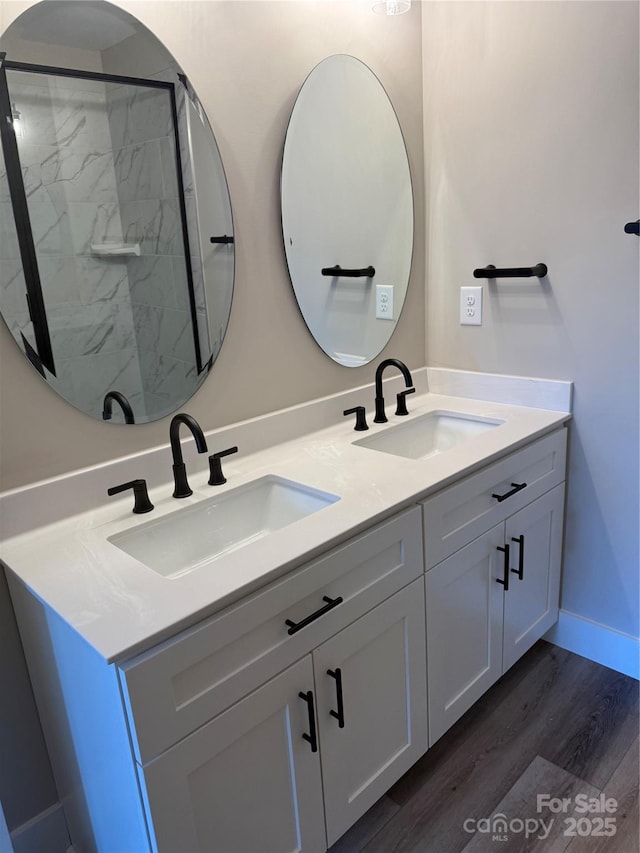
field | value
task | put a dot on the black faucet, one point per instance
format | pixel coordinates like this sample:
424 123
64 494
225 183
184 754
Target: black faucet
381 417
182 489
122 401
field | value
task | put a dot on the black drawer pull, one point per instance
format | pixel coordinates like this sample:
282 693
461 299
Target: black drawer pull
339 714
298 626
520 570
505 577
312 737
517 487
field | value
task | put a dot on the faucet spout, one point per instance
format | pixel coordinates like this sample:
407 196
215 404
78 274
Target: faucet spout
122 401
380 417
182 488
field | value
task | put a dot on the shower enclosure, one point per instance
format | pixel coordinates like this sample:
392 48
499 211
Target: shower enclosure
101 274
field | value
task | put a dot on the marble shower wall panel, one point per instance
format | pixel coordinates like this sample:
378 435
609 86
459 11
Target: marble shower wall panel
70 181
142 135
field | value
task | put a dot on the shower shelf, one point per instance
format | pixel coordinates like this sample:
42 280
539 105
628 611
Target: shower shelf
115 249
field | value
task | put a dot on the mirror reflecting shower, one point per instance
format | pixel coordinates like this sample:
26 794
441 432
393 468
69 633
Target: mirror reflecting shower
117 247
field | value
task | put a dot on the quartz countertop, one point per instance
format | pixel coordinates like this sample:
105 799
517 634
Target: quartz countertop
121 607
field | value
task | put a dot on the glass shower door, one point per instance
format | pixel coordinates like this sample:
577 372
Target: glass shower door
108 244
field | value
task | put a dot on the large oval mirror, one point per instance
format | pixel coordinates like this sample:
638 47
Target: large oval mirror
116 233
347 210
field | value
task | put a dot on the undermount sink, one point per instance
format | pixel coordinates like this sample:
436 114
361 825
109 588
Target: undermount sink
427 435
198 534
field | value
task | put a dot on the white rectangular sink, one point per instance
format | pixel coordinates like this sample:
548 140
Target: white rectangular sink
427 435
198 534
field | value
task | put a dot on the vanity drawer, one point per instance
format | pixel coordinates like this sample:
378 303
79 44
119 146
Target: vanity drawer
458 514
173 689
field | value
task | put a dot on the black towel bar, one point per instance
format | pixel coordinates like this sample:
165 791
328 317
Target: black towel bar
540 270
369 272
632 227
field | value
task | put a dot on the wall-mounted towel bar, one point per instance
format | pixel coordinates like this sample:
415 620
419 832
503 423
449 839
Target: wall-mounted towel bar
632 227
224 240
367 272
540 270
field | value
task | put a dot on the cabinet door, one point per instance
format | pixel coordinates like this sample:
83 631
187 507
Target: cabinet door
464 628
531 605
380 664
244 782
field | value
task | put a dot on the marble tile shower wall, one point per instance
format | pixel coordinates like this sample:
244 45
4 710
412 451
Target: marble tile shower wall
142 136
68 169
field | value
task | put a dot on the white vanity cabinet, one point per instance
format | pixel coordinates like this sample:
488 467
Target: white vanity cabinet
246 781
250 779
276 722
492 598
380 663
199 743
233 720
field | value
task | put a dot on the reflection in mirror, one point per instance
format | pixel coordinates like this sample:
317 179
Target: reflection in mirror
117 248
347 210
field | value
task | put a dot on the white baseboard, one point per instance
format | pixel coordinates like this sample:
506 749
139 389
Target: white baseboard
597 643
46 831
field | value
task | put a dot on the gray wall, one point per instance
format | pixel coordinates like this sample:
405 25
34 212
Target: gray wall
531 154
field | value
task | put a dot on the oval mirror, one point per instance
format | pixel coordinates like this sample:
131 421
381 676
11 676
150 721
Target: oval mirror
116 232
347 210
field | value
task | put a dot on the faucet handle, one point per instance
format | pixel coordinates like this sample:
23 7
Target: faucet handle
216 477
361 420
140 495
401 407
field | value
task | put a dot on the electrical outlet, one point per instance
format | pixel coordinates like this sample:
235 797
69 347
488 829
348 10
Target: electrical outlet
384 301
470 306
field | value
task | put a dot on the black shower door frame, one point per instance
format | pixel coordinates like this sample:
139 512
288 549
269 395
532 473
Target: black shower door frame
17 192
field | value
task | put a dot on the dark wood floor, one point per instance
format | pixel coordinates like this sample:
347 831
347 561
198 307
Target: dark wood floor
555 724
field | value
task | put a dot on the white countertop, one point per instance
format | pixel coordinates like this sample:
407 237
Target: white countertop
121 607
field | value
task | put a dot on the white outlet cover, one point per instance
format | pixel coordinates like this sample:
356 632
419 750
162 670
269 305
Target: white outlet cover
384 302
471 306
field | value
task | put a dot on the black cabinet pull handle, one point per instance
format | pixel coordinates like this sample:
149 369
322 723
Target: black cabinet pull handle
632 227
517 487
339 714
505 577
520 570
312 737
298 626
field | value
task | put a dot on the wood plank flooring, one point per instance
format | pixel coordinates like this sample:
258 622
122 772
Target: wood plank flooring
555 724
